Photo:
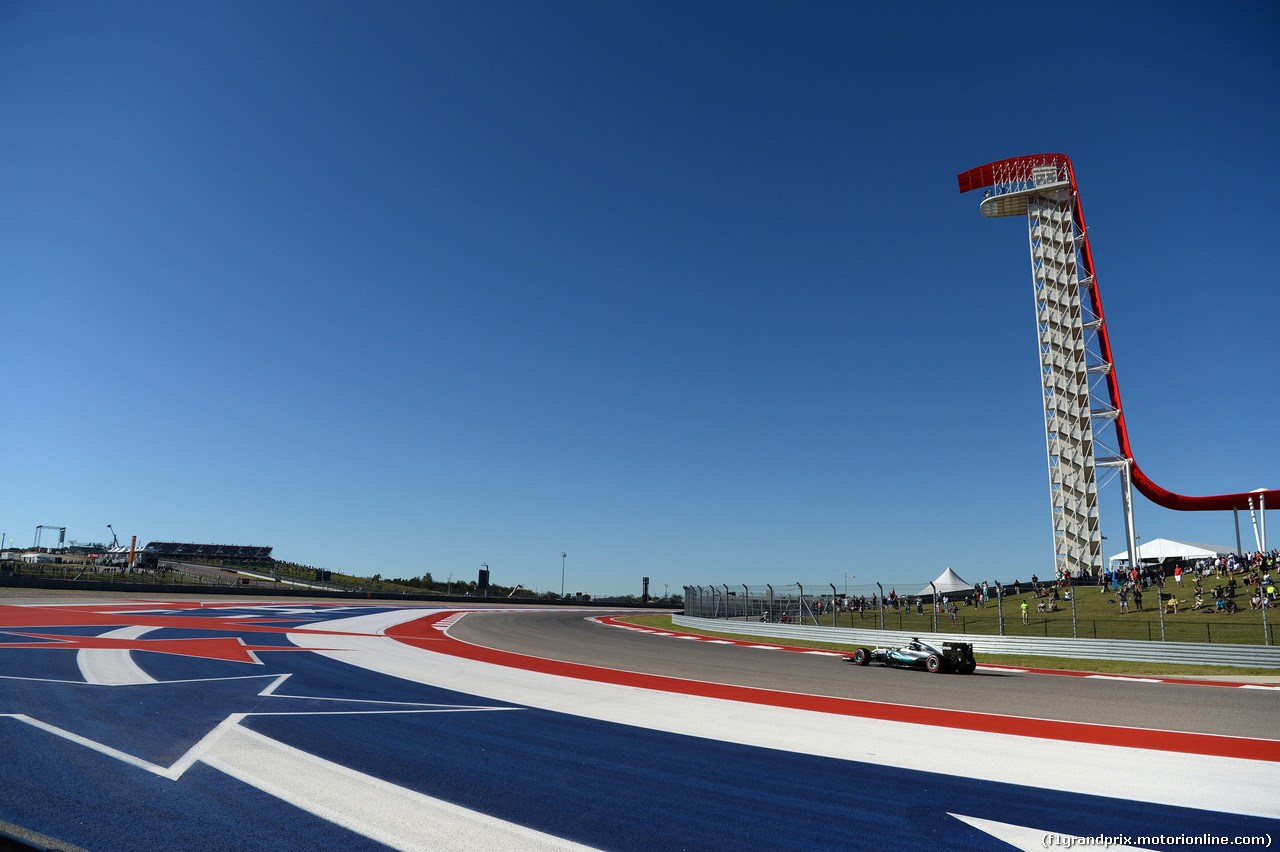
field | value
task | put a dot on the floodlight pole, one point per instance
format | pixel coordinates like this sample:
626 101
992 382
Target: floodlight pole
1071 588
562 558
934 606
1160 600
746 603
881 588
1266 633
833 603
1000 605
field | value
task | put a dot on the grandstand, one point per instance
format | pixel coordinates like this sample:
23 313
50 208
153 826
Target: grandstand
149 557
179 551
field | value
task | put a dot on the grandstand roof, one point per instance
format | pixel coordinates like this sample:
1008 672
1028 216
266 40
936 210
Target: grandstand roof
209 551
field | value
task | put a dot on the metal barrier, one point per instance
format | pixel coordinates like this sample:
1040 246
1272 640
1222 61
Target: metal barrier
1180 653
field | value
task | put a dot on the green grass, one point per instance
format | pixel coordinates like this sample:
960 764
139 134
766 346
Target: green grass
663 622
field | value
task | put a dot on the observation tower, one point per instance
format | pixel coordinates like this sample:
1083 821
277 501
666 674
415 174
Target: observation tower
1082 410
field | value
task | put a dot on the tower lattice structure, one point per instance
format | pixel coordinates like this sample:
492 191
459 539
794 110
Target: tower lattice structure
1082 408
1041 191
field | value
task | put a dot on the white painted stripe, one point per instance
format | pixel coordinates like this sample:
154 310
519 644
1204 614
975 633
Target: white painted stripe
1121 677
96 746
1258 686
1029 839
382 811
1225 784
110 666
171 772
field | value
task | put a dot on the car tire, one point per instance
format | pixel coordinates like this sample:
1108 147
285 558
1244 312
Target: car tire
861 657
933 663
967 668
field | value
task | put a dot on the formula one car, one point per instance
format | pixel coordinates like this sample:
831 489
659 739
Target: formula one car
952 657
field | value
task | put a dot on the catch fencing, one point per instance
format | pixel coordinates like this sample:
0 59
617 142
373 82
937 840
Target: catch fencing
796 604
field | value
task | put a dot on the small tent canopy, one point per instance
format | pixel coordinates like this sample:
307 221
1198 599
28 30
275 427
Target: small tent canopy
948 582
1160 549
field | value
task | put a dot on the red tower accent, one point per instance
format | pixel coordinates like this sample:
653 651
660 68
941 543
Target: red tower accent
1020 170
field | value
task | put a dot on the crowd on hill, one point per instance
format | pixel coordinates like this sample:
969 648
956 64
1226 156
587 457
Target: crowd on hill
1254 570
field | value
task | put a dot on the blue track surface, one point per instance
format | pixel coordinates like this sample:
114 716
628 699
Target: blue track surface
604 785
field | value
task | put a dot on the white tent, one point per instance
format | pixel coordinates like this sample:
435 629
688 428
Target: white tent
1160 549
948 582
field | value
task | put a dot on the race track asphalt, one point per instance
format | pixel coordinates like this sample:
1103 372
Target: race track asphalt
573 636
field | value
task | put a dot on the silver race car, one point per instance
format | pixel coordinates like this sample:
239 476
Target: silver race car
916 654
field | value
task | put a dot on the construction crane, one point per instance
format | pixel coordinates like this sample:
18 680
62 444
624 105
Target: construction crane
62 534
115 542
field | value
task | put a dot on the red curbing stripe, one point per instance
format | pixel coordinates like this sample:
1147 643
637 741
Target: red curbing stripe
422 634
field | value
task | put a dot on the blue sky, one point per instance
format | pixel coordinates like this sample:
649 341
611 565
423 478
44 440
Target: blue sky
686 291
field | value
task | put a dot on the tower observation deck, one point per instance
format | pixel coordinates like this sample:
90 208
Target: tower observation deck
1082 407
